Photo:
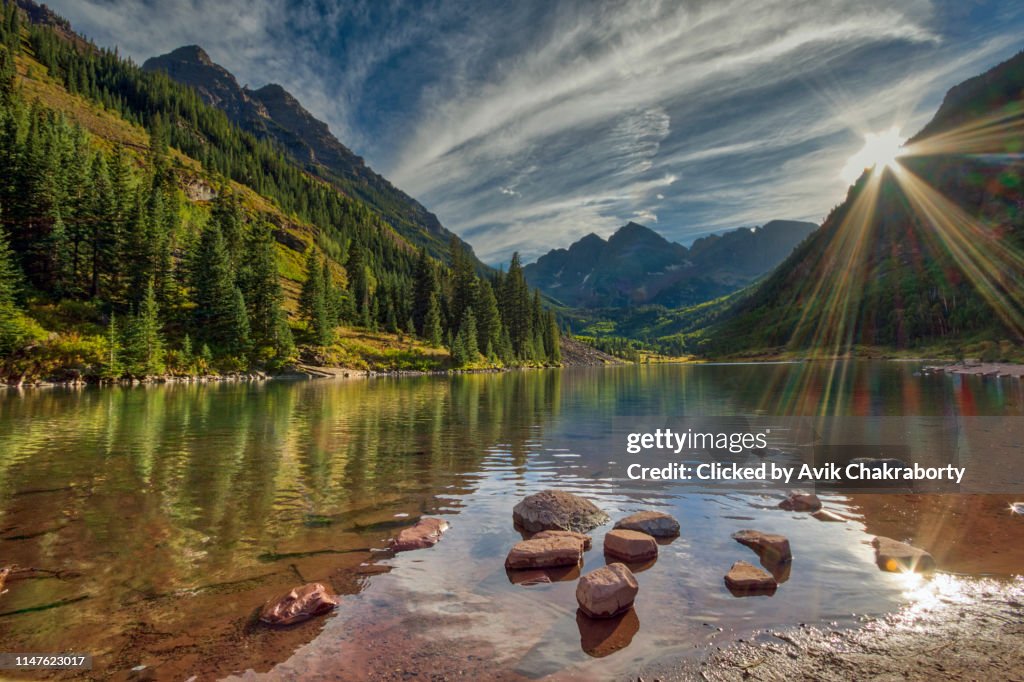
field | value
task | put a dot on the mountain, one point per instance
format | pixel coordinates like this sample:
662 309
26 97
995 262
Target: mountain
637 265
271 112
926 253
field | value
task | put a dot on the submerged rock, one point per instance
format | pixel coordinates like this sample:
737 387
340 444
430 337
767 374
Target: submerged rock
773 549
899 557
600 637
654 523
299 604
557 510
582 537
747 580
829 516
801 502
630 545
424 534
607 591
548 552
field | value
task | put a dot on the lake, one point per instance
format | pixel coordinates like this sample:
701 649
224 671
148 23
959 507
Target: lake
158 519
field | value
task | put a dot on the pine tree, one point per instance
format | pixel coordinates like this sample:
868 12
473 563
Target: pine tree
112 367
359 283
240 341
263 293
552 340
488 318
425 288
10 277
515 309
143 348
432 331
215 320
227 214
465 340
313 301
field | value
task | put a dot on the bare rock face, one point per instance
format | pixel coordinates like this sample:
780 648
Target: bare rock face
547 552
557 510
746 580
899 557
630 545
299 604
607 591
655 523
582 537
771 548
801 502
424 534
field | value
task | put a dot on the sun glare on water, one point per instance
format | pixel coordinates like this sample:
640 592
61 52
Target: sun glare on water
878 152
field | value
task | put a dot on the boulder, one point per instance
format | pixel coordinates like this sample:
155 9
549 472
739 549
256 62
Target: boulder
773 549
600 637
829 516
424 534
582 537
630 545
899 557
299 604
607 591
801 502
545 553
557 510
654 523
745 580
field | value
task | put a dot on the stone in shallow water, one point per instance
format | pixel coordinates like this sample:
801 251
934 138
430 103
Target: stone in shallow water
600 637
299 604
654 523
557 510
607 591
829 516
801 502
899 557
630 545
771 548
545 553
424 534
747 580
582 537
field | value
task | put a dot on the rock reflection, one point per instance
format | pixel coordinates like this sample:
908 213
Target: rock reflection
542 576
600 637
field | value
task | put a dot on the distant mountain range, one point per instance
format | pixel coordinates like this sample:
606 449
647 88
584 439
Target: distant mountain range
272 112
636 265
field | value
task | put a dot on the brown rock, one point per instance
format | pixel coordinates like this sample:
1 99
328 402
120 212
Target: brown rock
299 604
899 557
771 548
582 537
630 545
745 580
424 534
654 523
542 576
607 591
557 510
801 502
829 516
545 553
600 637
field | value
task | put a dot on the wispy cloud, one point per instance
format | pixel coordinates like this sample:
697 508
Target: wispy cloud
526 125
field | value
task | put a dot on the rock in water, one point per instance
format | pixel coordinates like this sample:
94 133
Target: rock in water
600 637
828 516
607 591
299 604
899 557
801 502
747 580
655 523
424 534
557 510
630 545
582 537
771 548
1017 508
545 553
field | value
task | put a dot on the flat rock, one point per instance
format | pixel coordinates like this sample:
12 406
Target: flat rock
899 557
654 523
801 502
547 552
299 604
607 591
630 545
771 548
829 516
557 510
582 537
745 580
424 534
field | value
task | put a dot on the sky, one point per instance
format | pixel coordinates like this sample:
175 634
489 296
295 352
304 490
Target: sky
527 125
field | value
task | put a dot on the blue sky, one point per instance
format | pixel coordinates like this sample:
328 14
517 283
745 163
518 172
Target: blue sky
525 125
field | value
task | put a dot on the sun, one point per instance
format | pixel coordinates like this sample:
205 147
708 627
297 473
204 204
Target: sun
879 151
